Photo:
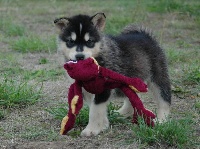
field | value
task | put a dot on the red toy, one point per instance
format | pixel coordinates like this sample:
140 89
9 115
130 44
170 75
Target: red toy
95 79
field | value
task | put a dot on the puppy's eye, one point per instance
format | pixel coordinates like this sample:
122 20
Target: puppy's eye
90 43
70 43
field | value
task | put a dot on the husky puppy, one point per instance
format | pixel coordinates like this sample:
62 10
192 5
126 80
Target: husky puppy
134 53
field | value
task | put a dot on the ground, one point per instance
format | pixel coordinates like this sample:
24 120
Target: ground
32 126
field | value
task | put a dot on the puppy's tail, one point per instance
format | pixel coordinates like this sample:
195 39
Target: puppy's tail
136 29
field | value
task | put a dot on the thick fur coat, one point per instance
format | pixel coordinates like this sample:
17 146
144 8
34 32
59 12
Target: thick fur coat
133 53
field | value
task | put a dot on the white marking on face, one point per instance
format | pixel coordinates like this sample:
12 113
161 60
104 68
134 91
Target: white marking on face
88 52
81 28
86 37
70 53
67 52
73 36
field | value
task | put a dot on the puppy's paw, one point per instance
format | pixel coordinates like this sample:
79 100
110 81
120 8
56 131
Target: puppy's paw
93 129
163 115
87 132
160 120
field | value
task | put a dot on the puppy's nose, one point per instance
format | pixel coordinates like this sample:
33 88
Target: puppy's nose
80 57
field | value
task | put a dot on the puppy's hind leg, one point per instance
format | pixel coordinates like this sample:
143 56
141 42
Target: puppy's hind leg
162 94
126 110
98 120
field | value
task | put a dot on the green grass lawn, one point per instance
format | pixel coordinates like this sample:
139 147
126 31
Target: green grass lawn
33 87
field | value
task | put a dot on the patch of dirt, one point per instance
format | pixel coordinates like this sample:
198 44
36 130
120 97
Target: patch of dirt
78 144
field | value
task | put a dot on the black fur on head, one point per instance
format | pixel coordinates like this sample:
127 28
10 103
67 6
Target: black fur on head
88 23
81 24
81 34
98 20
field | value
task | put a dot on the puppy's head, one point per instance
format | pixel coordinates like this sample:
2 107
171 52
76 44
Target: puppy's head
79 36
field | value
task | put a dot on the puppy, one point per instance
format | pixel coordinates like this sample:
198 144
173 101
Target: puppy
134 53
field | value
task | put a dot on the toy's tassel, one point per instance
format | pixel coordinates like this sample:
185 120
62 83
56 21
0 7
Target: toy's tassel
139 108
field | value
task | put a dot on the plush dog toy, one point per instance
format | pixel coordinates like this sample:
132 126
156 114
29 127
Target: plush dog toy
95 79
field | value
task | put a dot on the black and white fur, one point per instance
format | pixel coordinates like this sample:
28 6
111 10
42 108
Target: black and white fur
134 53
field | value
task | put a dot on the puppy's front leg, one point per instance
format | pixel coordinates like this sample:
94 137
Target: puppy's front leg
98 120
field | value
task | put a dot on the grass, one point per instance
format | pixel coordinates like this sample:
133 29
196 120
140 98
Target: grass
11 68
33 43
13 71
192 75
176 56
81 120
43 61
2 114
39 75
83 117
119 21
43 74
181 7
25 41
177 133
14 94
162 6
10 64
34 133
10 28
197 106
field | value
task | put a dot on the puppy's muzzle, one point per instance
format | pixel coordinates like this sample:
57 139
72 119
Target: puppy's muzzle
80 57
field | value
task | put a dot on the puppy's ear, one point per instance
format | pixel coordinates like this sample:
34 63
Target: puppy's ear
99 21
61 23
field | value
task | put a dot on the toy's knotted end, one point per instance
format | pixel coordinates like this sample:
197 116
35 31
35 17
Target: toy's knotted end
147 115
